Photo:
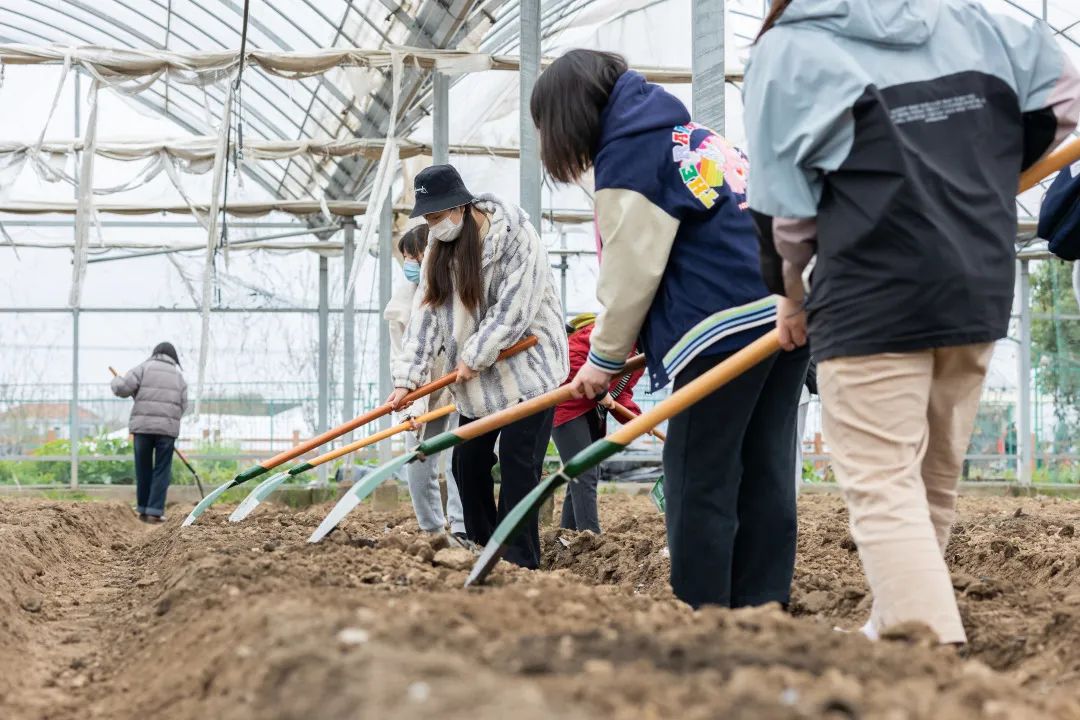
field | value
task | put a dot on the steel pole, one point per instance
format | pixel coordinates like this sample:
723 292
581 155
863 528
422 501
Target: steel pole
386 262
73 417
707 21
529 162
324 352
1024 449
348 328
440 120
73 411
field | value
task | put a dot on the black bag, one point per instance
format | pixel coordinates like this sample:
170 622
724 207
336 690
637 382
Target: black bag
1059 217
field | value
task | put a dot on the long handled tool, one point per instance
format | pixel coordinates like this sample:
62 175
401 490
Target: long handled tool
267 486
1065 155
625 415
304 447
445 441
678 401
198 480
601 450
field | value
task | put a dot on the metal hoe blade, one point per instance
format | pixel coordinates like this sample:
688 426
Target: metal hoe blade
256 496
510 525
358 492
207 502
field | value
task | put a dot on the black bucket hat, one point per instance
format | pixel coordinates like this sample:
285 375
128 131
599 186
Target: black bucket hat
438 188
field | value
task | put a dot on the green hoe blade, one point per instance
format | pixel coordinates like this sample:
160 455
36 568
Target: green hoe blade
657 493
256 496
511 524
591 456
206 502
358 492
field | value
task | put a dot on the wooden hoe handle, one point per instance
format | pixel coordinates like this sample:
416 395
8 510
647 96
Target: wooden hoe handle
307 446
501 419
1064 156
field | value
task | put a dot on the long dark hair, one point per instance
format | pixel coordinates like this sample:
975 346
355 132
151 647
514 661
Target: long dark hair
566 105
457 265
775 11
166 349
414 242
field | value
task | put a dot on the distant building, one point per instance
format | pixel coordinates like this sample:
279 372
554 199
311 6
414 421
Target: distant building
26 426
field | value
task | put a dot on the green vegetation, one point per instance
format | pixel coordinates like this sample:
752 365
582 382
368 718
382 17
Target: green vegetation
1055 346
112 472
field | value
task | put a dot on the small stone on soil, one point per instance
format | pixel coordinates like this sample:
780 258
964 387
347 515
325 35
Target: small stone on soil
419 692
455 558
30 602
353 636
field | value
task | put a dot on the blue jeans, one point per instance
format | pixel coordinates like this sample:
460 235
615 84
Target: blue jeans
153 468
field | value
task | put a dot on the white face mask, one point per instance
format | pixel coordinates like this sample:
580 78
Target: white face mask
446 230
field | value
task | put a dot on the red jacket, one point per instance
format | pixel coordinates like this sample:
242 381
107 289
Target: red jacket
579 353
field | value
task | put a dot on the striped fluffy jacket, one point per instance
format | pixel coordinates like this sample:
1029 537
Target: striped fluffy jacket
519 299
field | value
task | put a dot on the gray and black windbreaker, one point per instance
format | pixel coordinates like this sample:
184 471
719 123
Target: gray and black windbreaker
886 140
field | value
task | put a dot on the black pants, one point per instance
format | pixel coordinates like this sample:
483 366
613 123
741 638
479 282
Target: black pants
579 506
522 446
730 501
153 469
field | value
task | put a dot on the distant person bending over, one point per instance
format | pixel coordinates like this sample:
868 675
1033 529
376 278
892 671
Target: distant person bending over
581 422
423 477
160 393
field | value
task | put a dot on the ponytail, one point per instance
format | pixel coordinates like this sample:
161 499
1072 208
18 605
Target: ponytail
776 9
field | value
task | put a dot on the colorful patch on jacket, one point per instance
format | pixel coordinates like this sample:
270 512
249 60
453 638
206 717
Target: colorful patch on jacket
709 164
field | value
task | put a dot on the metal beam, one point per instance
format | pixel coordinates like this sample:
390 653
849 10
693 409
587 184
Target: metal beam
348 327
440 120
324 354
386 261
156 224
73 419
121 310
529 162
1025 451
233 244
707 21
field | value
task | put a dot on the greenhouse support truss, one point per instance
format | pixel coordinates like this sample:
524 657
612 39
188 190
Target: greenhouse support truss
135 71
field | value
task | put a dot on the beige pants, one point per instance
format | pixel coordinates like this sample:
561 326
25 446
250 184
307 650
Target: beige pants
898 426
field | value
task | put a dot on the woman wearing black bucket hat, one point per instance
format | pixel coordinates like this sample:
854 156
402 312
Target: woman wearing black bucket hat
486 283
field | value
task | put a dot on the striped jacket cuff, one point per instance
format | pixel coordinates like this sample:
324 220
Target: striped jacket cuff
609 366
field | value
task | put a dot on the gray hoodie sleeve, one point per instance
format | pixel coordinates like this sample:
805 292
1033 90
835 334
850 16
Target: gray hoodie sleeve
793 139
127 385
183 396
1047 84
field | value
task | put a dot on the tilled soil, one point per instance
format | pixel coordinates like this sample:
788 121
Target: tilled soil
103 617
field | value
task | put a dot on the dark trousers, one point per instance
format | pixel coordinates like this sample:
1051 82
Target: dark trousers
522 446
153 468
579 505
730 501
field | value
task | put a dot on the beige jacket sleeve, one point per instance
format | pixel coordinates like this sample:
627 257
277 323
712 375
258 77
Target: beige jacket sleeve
637 237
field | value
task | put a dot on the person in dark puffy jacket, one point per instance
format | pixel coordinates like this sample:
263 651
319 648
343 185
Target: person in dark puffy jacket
160 394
